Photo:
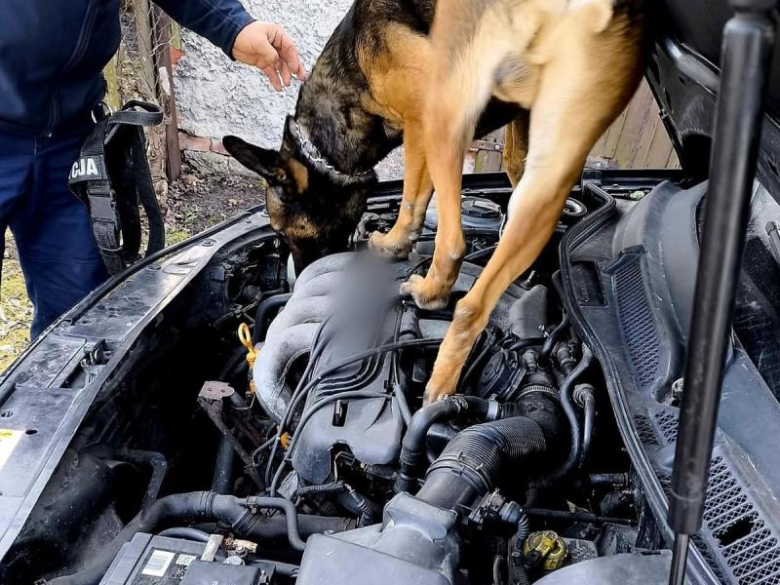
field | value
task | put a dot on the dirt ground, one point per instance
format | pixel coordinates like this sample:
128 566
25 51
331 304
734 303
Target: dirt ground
15 309
193 204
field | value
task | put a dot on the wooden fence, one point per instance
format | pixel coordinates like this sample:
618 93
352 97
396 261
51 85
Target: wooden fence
636 140
142 69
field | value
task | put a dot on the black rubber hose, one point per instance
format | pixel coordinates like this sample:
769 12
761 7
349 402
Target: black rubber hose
518 574
571 414
589 406
275 527
272 303
471 464
497 560
186 533
359 505
413 446
284 569
487 341
206 507
480 254
526 343
222 481
403 403
577 516
293 526
283 505
324 488
523 530
552 339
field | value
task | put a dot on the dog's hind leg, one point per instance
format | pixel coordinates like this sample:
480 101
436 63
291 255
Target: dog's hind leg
418 188
516 146
583 88
465 58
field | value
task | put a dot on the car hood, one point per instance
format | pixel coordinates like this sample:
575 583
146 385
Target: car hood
683 72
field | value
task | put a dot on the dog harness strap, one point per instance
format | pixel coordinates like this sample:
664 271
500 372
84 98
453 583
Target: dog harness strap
112 177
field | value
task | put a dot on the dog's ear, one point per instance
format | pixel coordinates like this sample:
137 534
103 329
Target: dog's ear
269 164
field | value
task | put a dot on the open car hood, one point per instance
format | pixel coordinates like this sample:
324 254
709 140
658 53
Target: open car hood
683 72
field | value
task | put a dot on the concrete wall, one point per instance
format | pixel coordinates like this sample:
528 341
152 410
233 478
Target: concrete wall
218 97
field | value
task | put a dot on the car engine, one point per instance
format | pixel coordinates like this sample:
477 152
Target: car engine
357 446
301 450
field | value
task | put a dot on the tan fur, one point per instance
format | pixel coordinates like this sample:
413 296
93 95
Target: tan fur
516 147
300 175
574 64
296 226
399 80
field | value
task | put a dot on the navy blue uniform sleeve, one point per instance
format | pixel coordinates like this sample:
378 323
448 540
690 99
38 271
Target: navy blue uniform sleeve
219 21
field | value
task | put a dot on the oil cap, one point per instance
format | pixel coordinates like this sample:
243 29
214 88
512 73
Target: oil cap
545 548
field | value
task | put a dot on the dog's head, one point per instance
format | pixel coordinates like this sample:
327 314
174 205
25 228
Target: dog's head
314 207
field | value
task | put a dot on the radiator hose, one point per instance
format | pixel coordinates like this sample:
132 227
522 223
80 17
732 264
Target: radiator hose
240 514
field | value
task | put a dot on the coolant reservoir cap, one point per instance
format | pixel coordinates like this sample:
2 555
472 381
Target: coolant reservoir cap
480 208
477 213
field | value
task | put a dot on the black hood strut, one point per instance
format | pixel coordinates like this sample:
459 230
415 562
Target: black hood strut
748 42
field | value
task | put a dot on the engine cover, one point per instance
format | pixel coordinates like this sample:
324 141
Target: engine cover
354 408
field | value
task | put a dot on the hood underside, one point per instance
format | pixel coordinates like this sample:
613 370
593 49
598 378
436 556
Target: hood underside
683 72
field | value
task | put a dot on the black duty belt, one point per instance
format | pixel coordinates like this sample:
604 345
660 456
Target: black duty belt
112 178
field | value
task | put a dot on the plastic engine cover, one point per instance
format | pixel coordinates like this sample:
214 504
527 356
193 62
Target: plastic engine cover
353 407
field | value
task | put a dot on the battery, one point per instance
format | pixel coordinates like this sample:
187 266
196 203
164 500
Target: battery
159 560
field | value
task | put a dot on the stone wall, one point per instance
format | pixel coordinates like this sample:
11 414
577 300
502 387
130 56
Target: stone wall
218 97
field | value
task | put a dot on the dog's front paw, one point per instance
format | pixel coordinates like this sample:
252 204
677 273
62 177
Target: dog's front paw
389 246
426 293
439 387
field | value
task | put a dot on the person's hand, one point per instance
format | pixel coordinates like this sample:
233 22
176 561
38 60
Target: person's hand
268 47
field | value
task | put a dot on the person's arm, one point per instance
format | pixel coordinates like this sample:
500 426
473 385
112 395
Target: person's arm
226 24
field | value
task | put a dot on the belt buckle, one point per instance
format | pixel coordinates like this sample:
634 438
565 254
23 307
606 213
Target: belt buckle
101 109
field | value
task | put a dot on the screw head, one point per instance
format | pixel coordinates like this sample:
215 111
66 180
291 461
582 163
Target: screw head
677 387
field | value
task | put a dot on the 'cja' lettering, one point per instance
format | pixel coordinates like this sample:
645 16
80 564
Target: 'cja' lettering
84 167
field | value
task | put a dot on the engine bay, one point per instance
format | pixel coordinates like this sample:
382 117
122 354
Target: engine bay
271 428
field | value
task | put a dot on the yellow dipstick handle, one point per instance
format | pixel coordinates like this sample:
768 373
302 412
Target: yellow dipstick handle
245 337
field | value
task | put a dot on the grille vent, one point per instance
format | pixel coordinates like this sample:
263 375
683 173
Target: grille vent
636 321
667 424
738 539
645 431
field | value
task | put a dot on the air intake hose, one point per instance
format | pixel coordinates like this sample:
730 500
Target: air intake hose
413 447
470 466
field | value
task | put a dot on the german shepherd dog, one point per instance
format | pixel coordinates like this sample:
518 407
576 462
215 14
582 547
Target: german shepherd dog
559 70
